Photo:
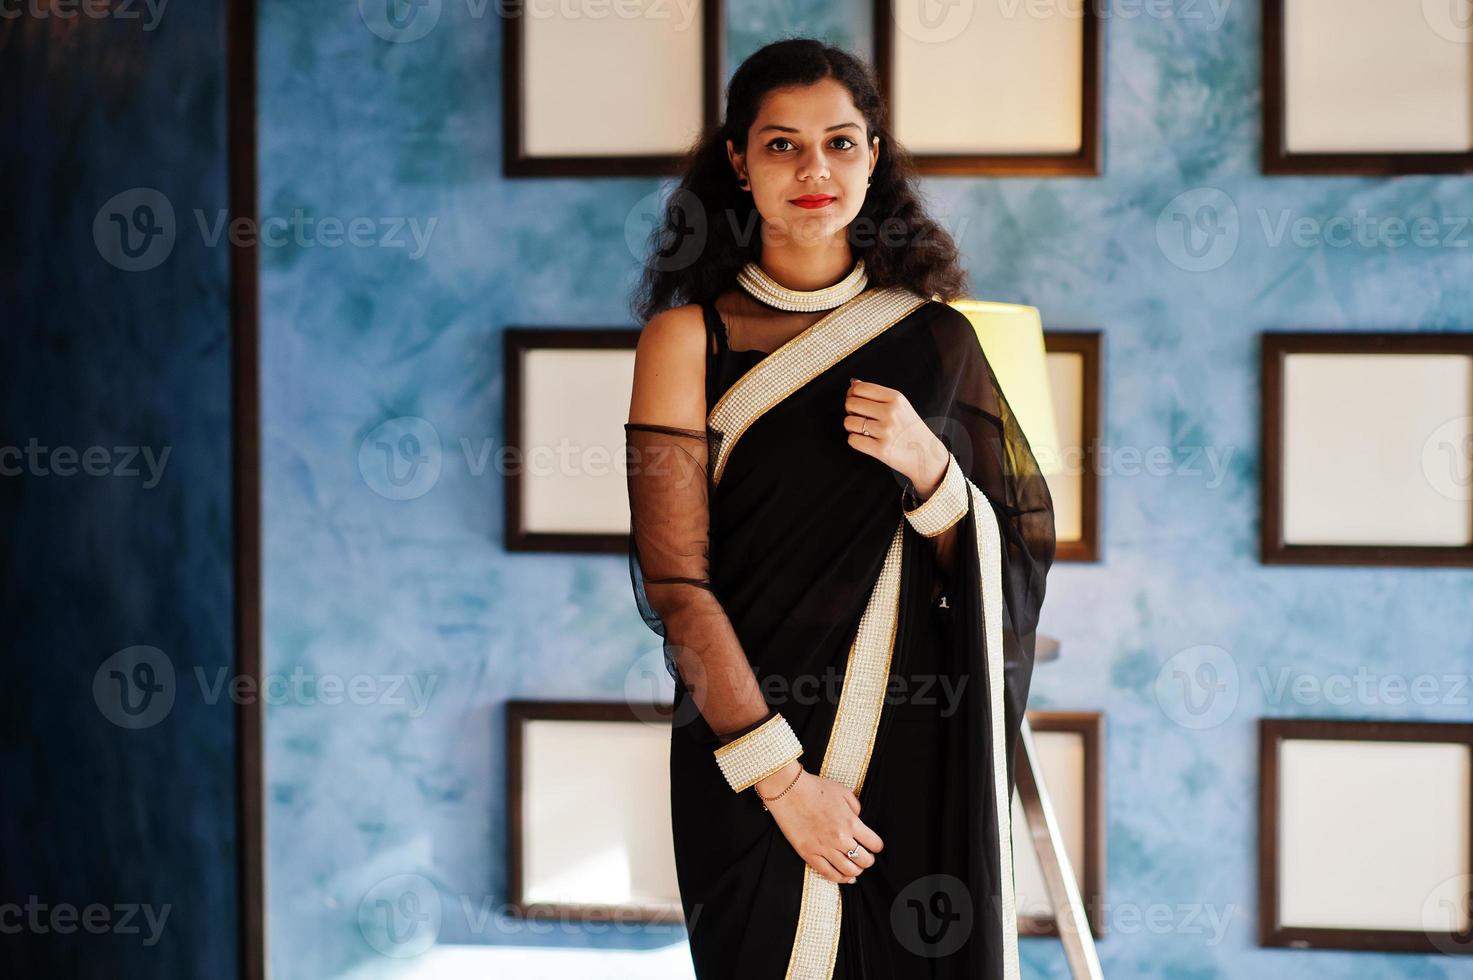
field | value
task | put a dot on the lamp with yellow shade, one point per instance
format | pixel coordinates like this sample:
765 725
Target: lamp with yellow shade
1012 338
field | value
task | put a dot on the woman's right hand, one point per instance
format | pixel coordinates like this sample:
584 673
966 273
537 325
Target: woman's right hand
820 818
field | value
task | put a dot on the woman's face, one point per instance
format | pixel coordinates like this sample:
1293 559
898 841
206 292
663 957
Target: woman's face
807 147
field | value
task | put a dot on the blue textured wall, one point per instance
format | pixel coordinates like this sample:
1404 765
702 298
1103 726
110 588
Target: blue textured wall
420 589
117 824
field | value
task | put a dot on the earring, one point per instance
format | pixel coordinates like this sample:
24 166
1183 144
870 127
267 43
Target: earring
743 184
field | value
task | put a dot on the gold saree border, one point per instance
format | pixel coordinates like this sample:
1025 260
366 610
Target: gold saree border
946 505
846 760
989 555
815 349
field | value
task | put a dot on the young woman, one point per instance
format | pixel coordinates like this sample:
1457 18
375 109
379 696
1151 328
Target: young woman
842 536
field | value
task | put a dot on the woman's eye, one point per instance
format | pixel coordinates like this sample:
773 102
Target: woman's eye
782 139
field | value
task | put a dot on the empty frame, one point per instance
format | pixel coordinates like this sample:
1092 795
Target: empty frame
622 94
1071 751
1073 363
992 88
1366 835
588 828
567 396
1367 448
1367 87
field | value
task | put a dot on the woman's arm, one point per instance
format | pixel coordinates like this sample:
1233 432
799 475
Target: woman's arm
670 521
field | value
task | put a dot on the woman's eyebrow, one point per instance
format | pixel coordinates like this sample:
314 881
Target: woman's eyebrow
790 129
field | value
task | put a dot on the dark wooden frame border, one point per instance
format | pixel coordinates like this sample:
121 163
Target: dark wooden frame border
517 163
518 714
517 342
245 478
1277 160
1087 162
1086 343
1272 732
1089 725
1276 345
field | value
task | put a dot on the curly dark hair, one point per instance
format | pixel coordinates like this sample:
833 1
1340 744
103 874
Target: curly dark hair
708 227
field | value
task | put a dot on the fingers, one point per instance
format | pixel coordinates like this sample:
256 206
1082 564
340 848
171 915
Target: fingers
850 798
868 389
863 858
863 425
867 407
867 837
820 864
844 863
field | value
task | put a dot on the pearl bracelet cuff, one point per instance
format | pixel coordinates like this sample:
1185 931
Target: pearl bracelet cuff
759 753
944 507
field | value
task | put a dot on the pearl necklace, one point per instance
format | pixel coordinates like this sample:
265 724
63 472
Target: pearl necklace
767 290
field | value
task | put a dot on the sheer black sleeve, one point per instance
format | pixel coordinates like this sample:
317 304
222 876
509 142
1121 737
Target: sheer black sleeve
669 566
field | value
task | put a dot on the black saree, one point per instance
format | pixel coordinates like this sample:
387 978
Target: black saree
768 544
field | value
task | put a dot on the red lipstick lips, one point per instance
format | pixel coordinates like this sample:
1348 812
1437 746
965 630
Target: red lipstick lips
814 200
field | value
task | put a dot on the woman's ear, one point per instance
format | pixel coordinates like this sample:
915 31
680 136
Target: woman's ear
738 165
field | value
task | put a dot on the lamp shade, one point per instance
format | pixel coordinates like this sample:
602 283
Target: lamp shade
1012 338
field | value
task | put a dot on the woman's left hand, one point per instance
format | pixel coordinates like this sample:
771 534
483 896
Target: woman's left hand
882 423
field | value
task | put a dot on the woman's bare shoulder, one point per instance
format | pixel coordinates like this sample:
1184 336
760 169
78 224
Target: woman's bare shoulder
670 368
674 331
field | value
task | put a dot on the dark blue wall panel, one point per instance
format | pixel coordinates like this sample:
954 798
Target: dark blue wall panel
117 799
